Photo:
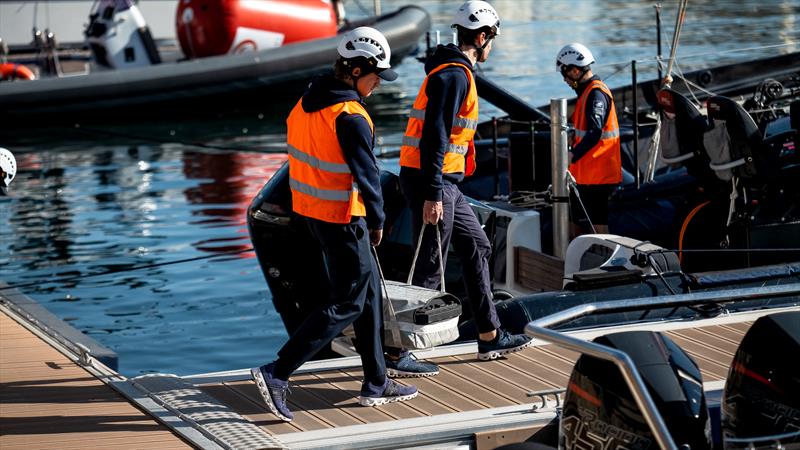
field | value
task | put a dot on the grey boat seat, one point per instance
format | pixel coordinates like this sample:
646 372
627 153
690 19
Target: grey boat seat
735 145
683 127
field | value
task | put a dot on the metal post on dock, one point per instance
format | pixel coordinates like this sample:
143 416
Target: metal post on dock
496 159
635 89
558 154
658 39
377 7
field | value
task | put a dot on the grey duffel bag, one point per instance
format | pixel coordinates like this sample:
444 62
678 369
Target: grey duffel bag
416 317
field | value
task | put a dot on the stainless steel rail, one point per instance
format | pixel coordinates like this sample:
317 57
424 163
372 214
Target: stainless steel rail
559 155
667 301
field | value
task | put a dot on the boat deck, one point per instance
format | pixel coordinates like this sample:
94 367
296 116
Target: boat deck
49 401
326 399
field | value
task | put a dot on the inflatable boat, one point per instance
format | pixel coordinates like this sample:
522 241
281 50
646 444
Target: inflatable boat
236 68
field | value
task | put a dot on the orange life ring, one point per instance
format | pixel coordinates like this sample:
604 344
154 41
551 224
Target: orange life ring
11 71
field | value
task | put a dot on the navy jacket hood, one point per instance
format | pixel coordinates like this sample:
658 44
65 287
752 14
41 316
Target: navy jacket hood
444 54
327 90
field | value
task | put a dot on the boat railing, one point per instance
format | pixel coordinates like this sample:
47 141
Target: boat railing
539 329
772 441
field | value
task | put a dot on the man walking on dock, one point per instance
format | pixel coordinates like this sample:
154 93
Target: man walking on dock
595 160
336 194
437 153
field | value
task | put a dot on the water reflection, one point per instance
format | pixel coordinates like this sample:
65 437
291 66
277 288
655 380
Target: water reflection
228 182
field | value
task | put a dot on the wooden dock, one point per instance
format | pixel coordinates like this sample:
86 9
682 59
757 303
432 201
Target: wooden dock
48 401
327 399
324 400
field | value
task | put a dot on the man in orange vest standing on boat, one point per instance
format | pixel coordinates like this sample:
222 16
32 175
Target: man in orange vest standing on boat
336 195
437 153
595 160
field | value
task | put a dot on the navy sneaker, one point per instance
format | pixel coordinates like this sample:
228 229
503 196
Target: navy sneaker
273 391
391 391
502 344
407 366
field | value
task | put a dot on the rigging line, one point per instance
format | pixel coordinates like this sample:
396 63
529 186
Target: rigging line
679 74
128 269
654 59
691 84
736 250
619 69
745 49
679 19
95 131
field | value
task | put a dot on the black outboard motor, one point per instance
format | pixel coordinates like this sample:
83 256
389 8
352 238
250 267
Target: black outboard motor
290 259
761 406
291 262
601 413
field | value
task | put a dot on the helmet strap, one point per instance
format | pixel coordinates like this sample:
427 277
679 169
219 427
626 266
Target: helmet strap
574 82
482 48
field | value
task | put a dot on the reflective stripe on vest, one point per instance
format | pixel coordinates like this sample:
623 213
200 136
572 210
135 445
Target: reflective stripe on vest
451 148
320 180
602 164
459 155
603 135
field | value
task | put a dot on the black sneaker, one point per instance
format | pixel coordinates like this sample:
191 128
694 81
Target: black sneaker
504 343
391 391
273 391
407 366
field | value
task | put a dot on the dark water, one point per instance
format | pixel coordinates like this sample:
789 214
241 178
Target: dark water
99 199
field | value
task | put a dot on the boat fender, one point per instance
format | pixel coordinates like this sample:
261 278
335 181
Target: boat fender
11 72
217 27
119 37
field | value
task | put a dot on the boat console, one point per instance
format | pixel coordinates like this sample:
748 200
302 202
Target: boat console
119 37
593 258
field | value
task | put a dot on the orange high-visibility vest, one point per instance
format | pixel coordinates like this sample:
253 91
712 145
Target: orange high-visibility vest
602 164
460 153
322 185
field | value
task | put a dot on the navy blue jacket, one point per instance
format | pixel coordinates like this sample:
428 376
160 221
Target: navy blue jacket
597 108
355 138
446 90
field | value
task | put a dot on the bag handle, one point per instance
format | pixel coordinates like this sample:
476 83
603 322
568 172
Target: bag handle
394 325
416 254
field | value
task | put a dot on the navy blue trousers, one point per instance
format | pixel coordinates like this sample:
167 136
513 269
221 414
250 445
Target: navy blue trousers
470 243
355 297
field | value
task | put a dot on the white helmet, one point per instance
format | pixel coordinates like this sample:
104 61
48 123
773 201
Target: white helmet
476 14
574 54
371 44
9 166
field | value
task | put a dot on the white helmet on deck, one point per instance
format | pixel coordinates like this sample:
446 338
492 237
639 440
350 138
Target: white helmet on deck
371 44
476 14
574 54
8 164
